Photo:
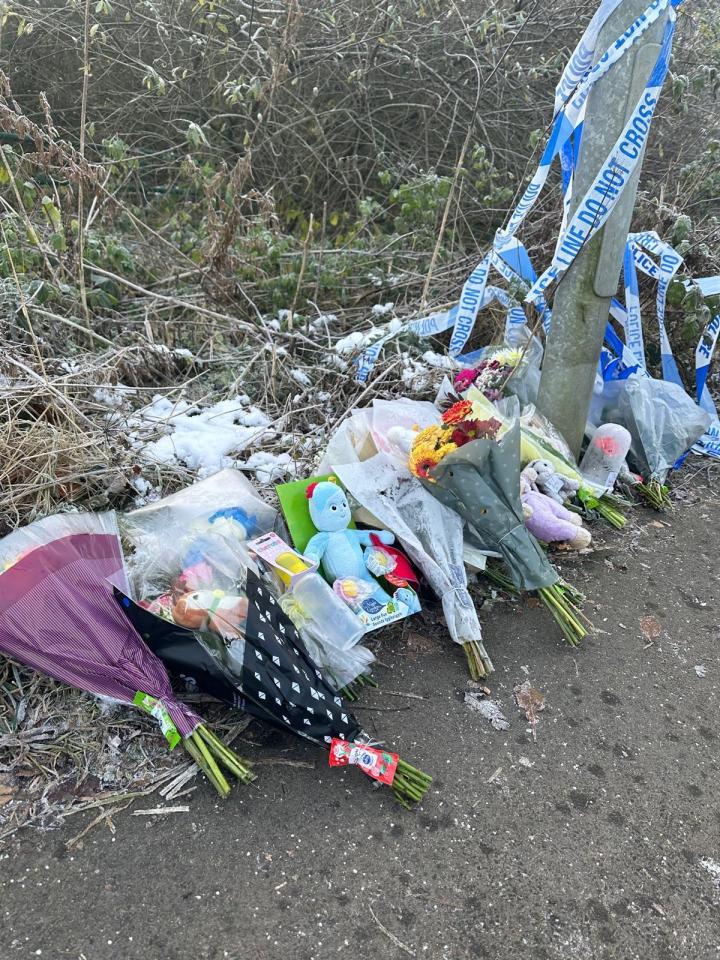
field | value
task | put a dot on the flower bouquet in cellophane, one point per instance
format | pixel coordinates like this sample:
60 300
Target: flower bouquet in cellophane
206 610
539 440
465 465
58 615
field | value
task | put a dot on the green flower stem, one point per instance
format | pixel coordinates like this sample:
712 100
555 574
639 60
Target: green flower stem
230 760
558 599
353 689
477 665
217 774
495 574
220 783
605 506
610 512
654 493
410 784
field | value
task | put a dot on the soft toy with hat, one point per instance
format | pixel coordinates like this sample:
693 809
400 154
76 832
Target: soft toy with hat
339 549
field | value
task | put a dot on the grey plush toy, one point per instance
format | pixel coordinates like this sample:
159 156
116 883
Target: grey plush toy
553 484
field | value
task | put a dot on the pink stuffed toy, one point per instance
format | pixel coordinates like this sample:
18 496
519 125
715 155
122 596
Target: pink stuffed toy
549 520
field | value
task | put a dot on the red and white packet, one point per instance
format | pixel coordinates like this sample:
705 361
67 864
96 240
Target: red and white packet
378 764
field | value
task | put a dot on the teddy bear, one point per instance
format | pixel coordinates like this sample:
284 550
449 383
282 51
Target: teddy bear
223 613
552 483
340 549
547 519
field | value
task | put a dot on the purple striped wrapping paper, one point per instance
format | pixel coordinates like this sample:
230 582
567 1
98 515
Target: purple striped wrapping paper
58 615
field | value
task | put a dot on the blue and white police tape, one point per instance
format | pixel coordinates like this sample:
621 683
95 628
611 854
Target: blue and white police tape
633 320
439 322
709 443
577 79
670 263
606 189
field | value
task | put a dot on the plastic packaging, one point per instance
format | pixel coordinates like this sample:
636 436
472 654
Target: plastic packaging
330 620
605 456
663 421
199 534
311 598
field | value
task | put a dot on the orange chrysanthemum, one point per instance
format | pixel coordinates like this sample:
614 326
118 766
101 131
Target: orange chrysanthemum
458 412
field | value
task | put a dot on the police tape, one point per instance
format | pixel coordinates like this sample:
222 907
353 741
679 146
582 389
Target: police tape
582 71
604 192
709 442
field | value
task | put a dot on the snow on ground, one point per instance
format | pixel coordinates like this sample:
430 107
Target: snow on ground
270 467
204 440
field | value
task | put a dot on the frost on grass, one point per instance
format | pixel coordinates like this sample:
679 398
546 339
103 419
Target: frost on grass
202 439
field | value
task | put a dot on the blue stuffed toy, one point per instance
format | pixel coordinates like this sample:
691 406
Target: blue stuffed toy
339 548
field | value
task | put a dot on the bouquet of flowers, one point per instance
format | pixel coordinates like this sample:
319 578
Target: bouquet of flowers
190 558
369 453
468 468
59 616
491 375
539 440
208 614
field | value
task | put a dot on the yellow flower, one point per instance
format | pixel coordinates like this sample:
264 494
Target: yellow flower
426 455
509 357
434 436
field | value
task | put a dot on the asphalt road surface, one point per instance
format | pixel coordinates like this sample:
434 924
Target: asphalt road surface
600 839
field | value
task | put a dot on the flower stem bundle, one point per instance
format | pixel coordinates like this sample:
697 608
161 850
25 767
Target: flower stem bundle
475 660
410 784
352 691
654 493
210 754
562 601
606 506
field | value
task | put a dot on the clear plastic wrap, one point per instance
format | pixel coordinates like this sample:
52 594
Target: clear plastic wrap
430 533
664 422
24 540
212 518
190 559
605 456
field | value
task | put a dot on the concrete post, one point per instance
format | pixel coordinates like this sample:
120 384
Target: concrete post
582 299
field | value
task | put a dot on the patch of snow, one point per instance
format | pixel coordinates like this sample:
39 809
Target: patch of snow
203 440
299 376
357 341
280 351
333 360
440 360
114 395
323 321
270 467
382 309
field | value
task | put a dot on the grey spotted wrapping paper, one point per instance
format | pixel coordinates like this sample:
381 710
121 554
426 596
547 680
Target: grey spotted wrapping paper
481 482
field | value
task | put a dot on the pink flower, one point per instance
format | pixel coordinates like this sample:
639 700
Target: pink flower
607 445
465 379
